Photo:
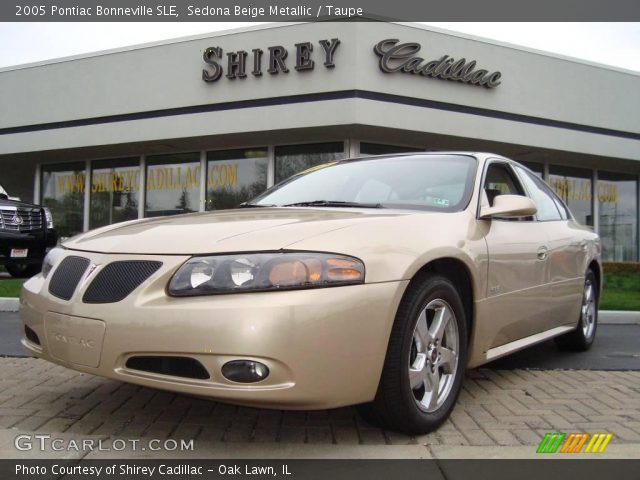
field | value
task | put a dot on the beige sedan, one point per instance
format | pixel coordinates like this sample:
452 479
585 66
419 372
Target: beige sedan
372 281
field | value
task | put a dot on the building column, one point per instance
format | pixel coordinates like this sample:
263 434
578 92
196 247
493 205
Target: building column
271 166
594 202
36 185
142 191
87 196
203 181
352 148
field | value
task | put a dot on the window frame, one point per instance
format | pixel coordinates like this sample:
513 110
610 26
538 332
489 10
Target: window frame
545 189
508 164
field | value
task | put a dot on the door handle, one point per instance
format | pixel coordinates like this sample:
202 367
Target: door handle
543 252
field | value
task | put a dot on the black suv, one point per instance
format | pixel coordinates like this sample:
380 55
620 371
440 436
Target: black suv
26 231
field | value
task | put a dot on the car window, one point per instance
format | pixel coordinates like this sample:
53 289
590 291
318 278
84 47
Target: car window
541 195
424 182
500 181
562 207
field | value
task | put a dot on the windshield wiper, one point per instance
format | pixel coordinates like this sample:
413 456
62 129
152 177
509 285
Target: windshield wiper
253 205
334 203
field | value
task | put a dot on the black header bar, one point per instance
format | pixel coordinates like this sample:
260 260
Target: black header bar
537 469
315 10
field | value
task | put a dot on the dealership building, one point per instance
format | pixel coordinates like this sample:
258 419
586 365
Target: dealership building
209 121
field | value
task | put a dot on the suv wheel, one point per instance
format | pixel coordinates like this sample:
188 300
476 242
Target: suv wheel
23 270
425 361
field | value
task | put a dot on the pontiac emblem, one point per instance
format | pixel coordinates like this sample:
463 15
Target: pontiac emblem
92 268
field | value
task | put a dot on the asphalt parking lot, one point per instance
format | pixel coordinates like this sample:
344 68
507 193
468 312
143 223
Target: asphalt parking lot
510 404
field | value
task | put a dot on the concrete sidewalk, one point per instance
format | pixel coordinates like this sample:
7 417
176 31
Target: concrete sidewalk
205 450
618 317
8 304
499 413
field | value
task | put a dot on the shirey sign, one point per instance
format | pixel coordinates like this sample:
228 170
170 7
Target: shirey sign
276 60
394 57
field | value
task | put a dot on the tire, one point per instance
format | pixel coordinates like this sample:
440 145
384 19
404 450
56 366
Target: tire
581 339
422 355
23 270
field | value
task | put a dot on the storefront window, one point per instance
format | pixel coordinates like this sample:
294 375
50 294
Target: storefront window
292 159
173 184
63 194
618 216
382 149
114 191
573 186
235 176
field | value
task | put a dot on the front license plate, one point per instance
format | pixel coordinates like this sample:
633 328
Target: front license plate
19 252
74 339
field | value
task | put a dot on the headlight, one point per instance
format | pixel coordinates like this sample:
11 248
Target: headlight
48 218
51 260
264 272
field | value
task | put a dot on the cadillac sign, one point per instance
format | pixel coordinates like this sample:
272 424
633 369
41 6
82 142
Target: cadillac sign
401 57
394 57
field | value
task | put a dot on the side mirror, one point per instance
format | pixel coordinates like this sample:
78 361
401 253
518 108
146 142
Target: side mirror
4 196
509 206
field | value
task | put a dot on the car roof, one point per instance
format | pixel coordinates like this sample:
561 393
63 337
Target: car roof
479 155
482 156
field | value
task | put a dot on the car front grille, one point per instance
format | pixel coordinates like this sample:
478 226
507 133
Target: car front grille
66 277
21 219
118 279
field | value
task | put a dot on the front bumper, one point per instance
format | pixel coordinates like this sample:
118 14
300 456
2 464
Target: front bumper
34 242
324 347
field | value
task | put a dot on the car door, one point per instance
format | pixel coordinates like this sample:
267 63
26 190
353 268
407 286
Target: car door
518 267
567 251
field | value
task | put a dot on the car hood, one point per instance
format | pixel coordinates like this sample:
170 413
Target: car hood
17 203
224 231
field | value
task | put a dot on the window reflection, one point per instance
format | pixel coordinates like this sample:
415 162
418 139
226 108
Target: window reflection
573 186
384 149
618 216
173 184
292 159
114 191
63 194
235 176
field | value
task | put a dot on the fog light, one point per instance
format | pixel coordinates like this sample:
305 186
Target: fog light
245 371
31 335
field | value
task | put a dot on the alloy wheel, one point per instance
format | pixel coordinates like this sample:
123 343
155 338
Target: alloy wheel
588 312
434 355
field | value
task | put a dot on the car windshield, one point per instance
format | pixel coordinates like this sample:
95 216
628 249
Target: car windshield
440 182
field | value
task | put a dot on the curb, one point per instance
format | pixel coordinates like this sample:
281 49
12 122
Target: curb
9 304
618 317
